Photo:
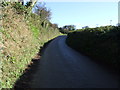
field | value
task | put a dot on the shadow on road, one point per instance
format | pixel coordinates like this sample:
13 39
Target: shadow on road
25 79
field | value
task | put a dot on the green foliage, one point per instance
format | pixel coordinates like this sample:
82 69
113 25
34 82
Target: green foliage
21 9
35 31
101 44
22 38
1 49
4 3
53 25
67 28
28 4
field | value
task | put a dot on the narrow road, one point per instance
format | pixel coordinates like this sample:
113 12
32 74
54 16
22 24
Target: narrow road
63 67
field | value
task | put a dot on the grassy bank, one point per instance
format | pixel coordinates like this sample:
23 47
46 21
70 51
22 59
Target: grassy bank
101 44
21 40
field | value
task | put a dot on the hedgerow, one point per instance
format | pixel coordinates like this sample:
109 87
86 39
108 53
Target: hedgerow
101 44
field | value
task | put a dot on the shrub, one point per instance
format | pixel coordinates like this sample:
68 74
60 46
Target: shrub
101 44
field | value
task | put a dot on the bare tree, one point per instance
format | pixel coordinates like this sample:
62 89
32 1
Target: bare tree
42 11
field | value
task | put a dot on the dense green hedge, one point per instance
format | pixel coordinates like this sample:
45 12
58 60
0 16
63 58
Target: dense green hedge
102 44
21 37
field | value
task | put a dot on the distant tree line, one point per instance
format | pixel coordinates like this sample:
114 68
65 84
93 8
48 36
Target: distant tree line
67 28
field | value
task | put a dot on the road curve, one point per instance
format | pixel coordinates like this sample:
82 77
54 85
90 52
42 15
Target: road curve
63 67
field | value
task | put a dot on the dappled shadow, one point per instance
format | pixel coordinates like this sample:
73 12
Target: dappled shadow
25 79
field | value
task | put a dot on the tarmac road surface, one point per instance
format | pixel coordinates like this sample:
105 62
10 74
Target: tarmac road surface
63 67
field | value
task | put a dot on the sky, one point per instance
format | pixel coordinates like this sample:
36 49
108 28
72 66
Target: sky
81 13
119 12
